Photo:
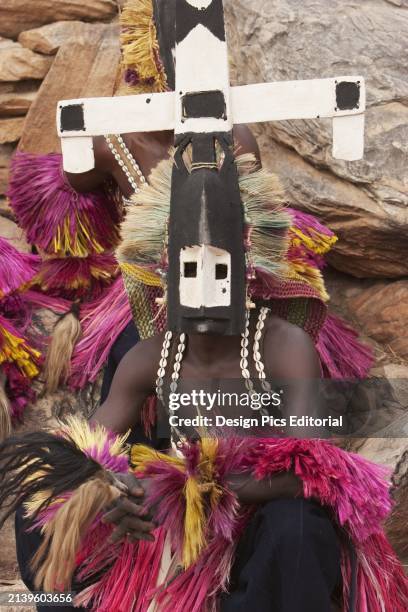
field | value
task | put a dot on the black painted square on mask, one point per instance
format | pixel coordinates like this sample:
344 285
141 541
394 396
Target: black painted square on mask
72 118
347 95
202 104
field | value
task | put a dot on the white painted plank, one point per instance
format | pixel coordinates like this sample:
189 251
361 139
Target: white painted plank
78 154
348 137
283 100
123 114
250 104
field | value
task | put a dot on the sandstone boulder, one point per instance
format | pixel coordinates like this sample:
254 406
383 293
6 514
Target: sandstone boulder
83 67
18 63
385 451
11 130
16 98
19 15
49 38
14 584
284 40
372 240
6 152
10 231
9 567
382 311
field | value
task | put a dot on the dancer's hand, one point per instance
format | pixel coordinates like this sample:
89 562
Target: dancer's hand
128 514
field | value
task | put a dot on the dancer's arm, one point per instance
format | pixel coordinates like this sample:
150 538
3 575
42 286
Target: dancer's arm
133 382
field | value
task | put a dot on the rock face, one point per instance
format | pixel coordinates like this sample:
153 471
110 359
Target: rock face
49 38
5 156
85 65
382 311
19 15
365 202
370 243
18 63
11 129
16 98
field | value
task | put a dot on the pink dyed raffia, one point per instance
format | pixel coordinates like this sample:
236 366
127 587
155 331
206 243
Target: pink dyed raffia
77 277
319 234
17 269
55 217
354 490
102 321
19 390
42 300
341 353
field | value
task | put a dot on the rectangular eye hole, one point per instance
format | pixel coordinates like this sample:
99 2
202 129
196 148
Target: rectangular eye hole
221 271
190 269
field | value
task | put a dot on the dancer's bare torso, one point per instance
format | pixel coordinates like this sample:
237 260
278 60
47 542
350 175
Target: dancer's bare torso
214 362
288 353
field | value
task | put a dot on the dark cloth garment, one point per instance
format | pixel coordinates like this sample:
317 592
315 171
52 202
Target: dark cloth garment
122 345
27 544
288 560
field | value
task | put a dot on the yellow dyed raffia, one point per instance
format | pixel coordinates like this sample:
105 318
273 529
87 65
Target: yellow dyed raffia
319 243
194 522
92 435
35 502
141 456
300 271
142 275
199 487
16 350
140 48
77 244
85 435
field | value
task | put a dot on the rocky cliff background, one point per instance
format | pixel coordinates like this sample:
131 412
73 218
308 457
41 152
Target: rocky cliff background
69 48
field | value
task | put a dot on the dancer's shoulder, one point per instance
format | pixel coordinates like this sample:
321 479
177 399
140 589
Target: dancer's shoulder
289 350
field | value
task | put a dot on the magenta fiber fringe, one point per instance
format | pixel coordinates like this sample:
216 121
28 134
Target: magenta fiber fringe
40 300
19 390
77 277
17 269
102 321
357 492
341 480
341 353
16 311
309 224
352 488
320 236
54 216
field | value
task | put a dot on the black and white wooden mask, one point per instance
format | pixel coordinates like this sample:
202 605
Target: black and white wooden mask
206 279
206 276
